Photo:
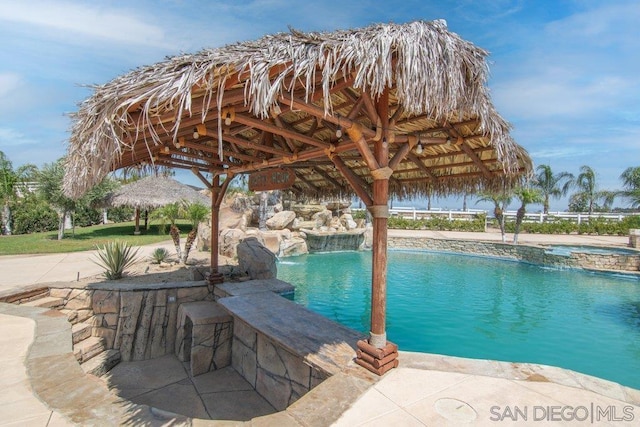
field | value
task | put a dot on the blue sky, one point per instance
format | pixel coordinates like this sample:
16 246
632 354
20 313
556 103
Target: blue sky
564 73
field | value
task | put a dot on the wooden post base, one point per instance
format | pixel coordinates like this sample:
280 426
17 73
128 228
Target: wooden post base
377 360
215 278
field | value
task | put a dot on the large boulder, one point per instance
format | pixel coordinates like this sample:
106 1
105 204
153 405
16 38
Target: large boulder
241 204
281 220
203 241
348 222
306 212
229 240
293 246
255 260
336 224
337 207
322 218
368 238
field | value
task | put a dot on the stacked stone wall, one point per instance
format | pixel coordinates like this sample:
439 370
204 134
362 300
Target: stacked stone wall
533 254
280 376
140 323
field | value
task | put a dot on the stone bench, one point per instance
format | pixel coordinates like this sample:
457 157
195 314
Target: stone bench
204 336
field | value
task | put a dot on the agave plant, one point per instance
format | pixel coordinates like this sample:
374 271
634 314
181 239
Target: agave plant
159 255
115 257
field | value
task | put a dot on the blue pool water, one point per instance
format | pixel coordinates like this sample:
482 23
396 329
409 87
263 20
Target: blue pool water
566 250
483 308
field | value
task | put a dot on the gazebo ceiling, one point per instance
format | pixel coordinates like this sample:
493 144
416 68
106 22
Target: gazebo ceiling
308 102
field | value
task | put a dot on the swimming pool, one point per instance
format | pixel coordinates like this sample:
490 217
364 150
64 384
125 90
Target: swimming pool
566 250
483 308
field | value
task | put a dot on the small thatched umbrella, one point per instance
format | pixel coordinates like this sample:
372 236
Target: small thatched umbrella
153 192
384 110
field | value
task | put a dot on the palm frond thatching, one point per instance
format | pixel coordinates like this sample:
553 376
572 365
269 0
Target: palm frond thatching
153 192
284 99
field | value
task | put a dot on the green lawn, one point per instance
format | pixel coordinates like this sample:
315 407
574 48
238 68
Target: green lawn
83 239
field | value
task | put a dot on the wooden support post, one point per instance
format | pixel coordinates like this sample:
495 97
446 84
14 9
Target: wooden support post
137 229
380 213
217 195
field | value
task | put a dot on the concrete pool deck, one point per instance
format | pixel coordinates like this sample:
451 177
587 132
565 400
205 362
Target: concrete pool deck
426 390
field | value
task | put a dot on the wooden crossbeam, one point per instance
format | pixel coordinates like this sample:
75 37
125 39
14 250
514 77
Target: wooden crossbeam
206 182
318 112
361 188
468 150
259 124
415 159
328 177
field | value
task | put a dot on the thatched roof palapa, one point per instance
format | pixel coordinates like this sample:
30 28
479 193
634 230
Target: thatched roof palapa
398 110
153 192
308 101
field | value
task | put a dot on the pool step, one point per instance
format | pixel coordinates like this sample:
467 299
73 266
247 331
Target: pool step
46 302
101 363
88 348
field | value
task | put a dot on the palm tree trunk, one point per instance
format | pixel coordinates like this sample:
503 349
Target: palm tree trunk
519 218
62 220
6 219
175 236
546 205
191 237
500 217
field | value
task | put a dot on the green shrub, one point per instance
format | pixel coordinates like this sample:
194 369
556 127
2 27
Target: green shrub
114 257
33 215
359 214
159 255
120 214
438 223
594 226
85 216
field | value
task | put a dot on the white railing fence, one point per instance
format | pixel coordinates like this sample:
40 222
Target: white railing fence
469 214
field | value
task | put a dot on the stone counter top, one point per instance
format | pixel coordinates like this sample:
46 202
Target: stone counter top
319 341
253 286
112 285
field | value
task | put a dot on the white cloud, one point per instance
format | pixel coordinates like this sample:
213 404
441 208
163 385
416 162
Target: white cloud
10 137
544 96
86 20
8 83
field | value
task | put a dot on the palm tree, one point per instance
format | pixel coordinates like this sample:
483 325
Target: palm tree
631 183
552 185
500 202
50 179
170 212
588 190
196 213
526 196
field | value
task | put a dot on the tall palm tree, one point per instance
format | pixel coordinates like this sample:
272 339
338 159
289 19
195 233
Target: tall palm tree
588 190
527 196
631 183
552 185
